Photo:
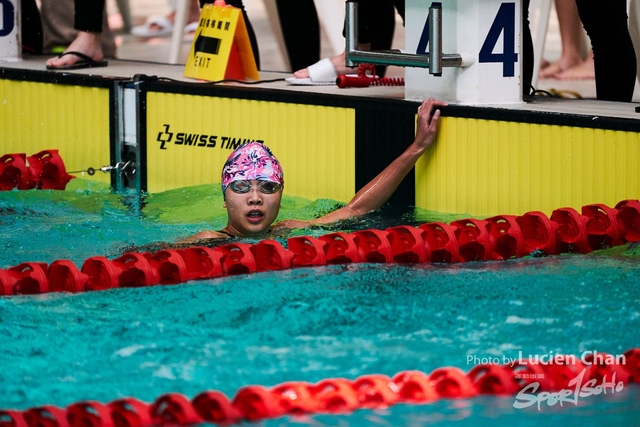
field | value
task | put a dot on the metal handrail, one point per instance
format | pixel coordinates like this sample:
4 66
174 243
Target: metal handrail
395 57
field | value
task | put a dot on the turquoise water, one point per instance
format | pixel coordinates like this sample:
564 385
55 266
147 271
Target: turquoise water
301 324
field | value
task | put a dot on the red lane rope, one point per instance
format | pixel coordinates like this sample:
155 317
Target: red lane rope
44 170
497 238
566 378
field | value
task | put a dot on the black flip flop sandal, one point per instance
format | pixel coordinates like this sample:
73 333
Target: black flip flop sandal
85 62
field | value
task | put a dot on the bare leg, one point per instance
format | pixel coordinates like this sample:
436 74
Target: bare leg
194 11
614 56
193 14
86 42
571 37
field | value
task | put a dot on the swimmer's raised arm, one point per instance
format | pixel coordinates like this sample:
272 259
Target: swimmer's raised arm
252 183
378 191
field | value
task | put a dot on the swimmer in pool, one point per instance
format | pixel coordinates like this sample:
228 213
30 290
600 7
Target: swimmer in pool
253 181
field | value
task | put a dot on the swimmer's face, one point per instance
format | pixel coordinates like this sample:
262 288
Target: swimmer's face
252 212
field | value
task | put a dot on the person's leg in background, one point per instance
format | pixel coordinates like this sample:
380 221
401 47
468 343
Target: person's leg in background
399 5
383 39
527 50
613 53
31 27
88 20
59 31
301 31
634 27
377 19
571 38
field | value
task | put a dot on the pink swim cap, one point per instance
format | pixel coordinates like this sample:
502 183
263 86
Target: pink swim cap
250 161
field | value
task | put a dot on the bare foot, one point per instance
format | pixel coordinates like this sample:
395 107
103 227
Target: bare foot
564 63
544 63
192 16
85 42
582 71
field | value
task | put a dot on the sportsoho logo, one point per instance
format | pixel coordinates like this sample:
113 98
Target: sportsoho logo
166 137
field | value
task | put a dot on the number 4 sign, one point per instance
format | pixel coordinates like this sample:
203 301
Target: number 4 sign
488 35
504 24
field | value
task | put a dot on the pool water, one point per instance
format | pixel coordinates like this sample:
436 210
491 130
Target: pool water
303 324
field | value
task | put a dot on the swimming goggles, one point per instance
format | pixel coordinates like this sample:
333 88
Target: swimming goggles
243 186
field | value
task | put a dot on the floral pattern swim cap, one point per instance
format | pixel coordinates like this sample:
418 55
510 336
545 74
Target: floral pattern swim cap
250 161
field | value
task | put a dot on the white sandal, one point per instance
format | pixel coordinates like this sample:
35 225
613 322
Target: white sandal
320 73
154 26
190 31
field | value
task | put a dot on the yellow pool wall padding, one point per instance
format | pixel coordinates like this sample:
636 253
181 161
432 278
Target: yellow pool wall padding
486 168
72 119
315 144
477 167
